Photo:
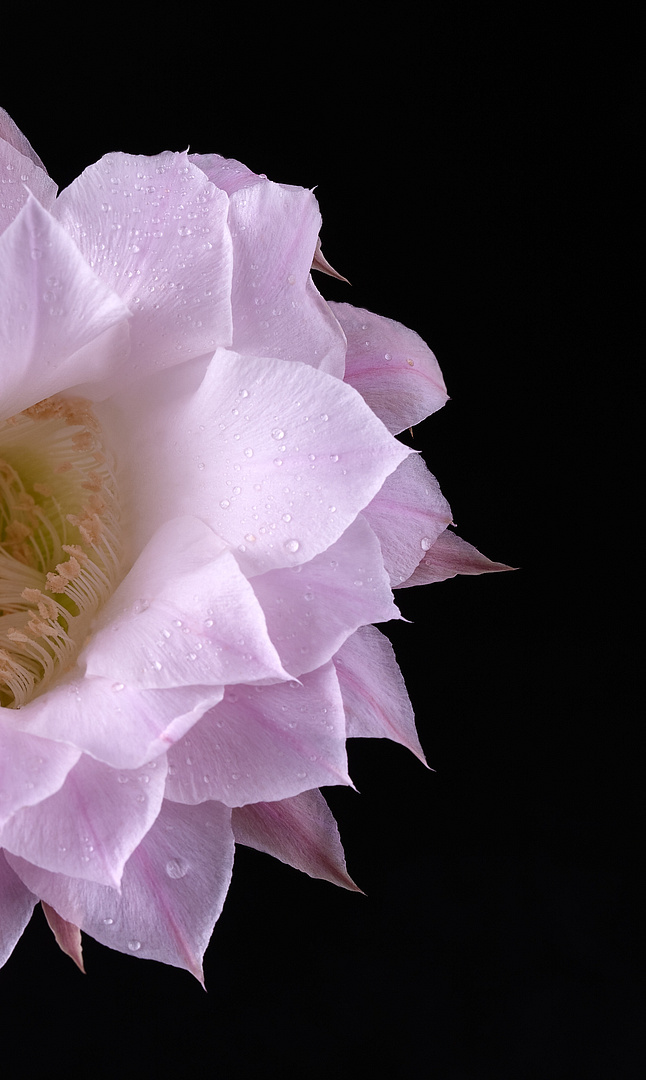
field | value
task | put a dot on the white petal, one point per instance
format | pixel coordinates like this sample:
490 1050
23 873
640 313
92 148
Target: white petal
312 609
59 325
154 229
277 458
184 615
264 743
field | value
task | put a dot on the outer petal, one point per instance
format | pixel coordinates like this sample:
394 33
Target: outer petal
21 172
12 134
68 936
277 310
16 904
264 743
119 725
172 891
277 458
312 609
184 615
391 367
374 693
59 325
155 231
92 825
450 555
407 514
31 769
300 832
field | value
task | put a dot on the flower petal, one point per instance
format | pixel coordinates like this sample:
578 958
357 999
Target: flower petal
407 514
391 367
155 231
451 555
59 325
184 615
91 826
312 609
277 310
277 458
122 726
68 936
374 693
21 172
16 904
300 832
31 768
172 891
264 743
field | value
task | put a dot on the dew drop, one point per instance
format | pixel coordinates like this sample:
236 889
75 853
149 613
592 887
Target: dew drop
134 946
117 686
248 452
426 543
176 868
292 545
278 434
224 503
108 922
244 393
287 517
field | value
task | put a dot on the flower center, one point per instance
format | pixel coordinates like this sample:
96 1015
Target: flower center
60 550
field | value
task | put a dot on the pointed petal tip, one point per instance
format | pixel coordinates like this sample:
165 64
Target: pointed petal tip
67 935
320 263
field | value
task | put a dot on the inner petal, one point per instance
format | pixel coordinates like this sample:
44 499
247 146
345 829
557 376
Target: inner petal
60 546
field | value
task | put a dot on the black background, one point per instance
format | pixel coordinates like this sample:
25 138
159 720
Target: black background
469 170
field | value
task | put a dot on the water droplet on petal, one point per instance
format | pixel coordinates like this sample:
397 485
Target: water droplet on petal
292 545
426 543
176 868
134 946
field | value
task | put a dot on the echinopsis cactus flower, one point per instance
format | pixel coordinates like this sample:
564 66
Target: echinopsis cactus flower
203 510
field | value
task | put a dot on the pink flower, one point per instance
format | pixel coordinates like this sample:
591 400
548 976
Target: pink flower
203 509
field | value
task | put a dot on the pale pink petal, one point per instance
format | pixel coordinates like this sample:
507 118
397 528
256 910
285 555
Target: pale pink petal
451 555
172 891
31 768
20 175
16 904
277 458
391 367
155 231
263 743
300 832
376 703
407 514
226 173
123 726
59 325
320 263
184 615
12 134
68 936
312 609
91 826
277 310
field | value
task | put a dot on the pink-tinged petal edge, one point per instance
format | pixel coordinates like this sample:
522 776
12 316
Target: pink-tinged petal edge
300 831
172 892
17 903
451 555
374 694
68 936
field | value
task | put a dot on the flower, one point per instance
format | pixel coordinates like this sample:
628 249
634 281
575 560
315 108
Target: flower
203 510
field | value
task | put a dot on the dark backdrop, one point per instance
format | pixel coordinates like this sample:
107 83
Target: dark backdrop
457 160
